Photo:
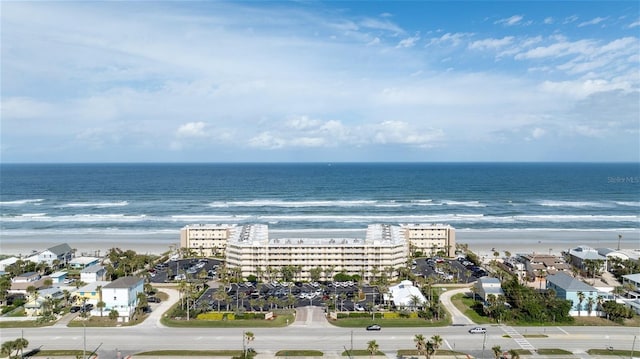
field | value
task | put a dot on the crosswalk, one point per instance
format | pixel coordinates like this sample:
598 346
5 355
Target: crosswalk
518 338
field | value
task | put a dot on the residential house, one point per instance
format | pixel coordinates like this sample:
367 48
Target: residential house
93 273
405 295
7 262
633 280
569 288
90 293
83 262
20 283
122 295
62 253
538 265
486 286
582 255
36 306
58 277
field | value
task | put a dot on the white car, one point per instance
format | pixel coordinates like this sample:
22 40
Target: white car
477 330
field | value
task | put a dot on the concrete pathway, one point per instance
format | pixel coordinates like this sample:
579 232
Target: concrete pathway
457 318
153 320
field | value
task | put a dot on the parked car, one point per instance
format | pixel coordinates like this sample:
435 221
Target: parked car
153 300
477 330
374 327
75 309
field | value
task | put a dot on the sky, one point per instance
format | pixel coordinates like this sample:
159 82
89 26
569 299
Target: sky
309 81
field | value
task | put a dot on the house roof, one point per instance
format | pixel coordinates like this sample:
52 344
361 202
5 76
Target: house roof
93 269
569 283
488 280
60 249
402 293
635 277
124 282
84 260
58 274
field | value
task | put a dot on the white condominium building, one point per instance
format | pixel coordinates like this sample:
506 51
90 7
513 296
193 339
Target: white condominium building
431 239
384 249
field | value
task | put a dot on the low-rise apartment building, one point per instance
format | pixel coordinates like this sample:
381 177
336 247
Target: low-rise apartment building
250 250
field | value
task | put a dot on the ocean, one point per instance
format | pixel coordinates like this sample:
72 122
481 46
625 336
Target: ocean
151 202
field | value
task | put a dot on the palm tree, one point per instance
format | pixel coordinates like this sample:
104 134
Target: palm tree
514 354
19 345
7 348
421 344
497 351
590 303
437 343
372 348
248 337
581 297
99 290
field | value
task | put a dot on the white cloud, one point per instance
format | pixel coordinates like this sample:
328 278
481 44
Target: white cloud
491 43
634 24
453 39
570 19
538 133
510 21
408 42
385 25
192 129
548 20
593 21
400 132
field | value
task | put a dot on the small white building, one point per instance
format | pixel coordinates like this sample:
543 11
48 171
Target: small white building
7 262
83 262
488 285
633 279
122 295
404 295
58 277
93 273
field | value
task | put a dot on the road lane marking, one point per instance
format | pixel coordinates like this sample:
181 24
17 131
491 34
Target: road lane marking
562 330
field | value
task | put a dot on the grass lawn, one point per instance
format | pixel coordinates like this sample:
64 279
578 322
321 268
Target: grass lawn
553 351
282 318
465 304
57 353
621 353
299 353
105 322
359 352
414 352
397 322
25 324
185 353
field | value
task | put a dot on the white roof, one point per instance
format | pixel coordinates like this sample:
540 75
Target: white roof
635 277
57 274
84 260
402 293
8 261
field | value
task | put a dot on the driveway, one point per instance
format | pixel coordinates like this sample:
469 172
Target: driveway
457 318
153 320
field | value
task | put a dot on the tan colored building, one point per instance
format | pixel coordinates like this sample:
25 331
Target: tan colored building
431 239
384 248
207 240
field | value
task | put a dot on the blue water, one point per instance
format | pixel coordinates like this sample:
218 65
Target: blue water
45 199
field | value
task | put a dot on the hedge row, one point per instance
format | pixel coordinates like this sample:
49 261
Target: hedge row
229 316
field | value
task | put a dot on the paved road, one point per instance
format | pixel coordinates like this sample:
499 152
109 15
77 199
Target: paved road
311 331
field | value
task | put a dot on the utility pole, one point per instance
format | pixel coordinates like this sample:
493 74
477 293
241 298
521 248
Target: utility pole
84 340
633 346
484 342
351 341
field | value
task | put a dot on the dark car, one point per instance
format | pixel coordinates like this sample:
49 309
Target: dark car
374 327
153 300
75 309
88 307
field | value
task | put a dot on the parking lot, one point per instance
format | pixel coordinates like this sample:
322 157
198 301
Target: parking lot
265 296
184 269
447 270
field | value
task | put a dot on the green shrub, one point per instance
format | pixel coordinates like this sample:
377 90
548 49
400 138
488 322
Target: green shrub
210 316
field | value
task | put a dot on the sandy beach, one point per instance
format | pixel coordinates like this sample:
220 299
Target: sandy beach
481 242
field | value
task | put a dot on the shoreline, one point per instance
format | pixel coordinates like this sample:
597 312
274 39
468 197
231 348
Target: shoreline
482 242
